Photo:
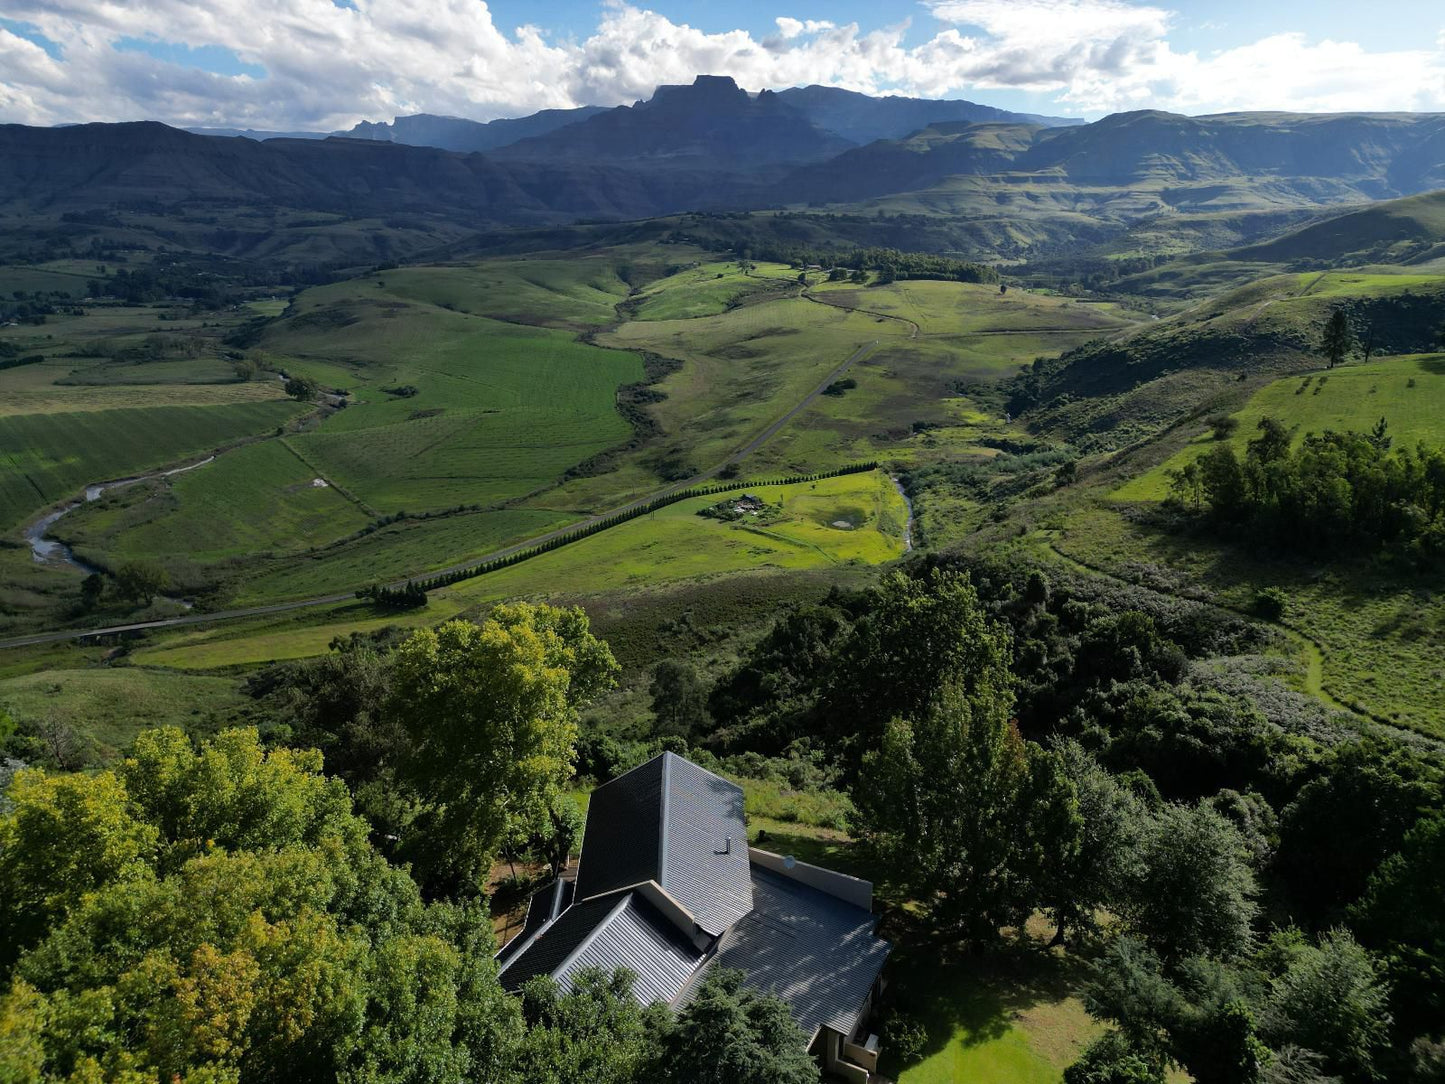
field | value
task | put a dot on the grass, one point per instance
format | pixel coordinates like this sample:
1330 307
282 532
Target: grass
48 457
252 500
670 545
32 389
109 706
495 410
1408 392
709 289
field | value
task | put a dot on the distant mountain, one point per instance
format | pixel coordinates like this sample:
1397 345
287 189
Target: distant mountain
712 124
457 134
252 133
863 119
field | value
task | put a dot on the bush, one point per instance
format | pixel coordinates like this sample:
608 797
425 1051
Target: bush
905 1038
1271 603
1223 425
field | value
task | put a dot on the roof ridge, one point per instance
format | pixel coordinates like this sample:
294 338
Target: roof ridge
664 795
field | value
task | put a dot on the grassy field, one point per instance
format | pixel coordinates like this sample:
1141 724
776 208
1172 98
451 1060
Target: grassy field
253 500
49 457
109 706
670 545
710 289
1408 392
481 411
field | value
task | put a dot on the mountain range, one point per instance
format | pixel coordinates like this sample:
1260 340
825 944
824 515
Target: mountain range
712 146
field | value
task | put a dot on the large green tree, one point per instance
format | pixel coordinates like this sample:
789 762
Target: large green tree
490 712
731 1034
219 915
1338 337
1192 892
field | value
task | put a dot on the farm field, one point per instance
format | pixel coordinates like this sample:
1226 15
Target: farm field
480 411
672 544
49 457
709 289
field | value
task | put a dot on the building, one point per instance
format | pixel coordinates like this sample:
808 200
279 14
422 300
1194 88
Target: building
668 887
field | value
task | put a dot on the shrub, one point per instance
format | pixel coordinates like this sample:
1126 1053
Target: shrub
1271 603
1223 425
905 1038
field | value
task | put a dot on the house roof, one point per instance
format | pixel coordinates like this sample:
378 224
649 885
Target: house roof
816 952
671 822
666 888
618 930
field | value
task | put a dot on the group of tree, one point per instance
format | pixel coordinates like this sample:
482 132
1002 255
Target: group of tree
1333 491
221 914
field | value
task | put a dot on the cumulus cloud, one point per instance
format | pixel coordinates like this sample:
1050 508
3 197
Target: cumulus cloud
327 66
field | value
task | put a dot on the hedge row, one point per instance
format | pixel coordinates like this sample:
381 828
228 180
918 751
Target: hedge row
407 594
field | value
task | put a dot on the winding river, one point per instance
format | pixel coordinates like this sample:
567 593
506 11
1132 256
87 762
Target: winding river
47 550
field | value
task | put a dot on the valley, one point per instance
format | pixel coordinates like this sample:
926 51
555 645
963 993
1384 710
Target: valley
1043 520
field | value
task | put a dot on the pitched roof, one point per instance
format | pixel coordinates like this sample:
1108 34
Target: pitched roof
816 952
671 822
619 930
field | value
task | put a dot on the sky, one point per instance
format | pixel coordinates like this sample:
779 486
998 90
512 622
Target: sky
321 65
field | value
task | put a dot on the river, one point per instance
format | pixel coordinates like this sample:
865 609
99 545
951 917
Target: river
47 550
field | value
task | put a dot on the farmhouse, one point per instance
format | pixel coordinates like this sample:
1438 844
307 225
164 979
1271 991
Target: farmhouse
668 887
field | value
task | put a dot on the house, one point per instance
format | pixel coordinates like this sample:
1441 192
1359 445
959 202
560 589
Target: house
668 887
748 503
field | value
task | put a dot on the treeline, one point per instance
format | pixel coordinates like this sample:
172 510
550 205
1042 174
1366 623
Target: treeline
1333 492
446 579
890 263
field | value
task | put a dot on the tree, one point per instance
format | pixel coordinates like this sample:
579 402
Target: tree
593 1032
1338 338
679 699
218 914
139 582
951 805
1400 916
917 636
91 588
1091 874
1110 1059
490 712
1332 999
731 1034
1192 893
302 388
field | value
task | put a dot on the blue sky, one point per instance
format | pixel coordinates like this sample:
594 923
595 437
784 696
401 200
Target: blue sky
321 64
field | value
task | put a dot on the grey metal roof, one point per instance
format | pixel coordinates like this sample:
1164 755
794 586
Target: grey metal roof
544 905
635 936
816 952
670 821
551 948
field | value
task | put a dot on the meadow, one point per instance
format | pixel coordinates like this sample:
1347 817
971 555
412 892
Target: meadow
1408 392
49 457
669 545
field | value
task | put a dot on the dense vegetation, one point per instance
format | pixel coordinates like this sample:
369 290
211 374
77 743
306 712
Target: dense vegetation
1334 492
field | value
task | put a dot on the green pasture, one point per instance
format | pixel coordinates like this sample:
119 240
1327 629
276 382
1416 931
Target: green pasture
253 500
669 545
1408 392
48 457
404 548
33 280
30 390
494 410
287 638
709 289
576 292
109 706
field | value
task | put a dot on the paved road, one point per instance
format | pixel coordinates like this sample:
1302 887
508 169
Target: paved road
328 600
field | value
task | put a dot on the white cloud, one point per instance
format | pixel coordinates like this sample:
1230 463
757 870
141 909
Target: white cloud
328 66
